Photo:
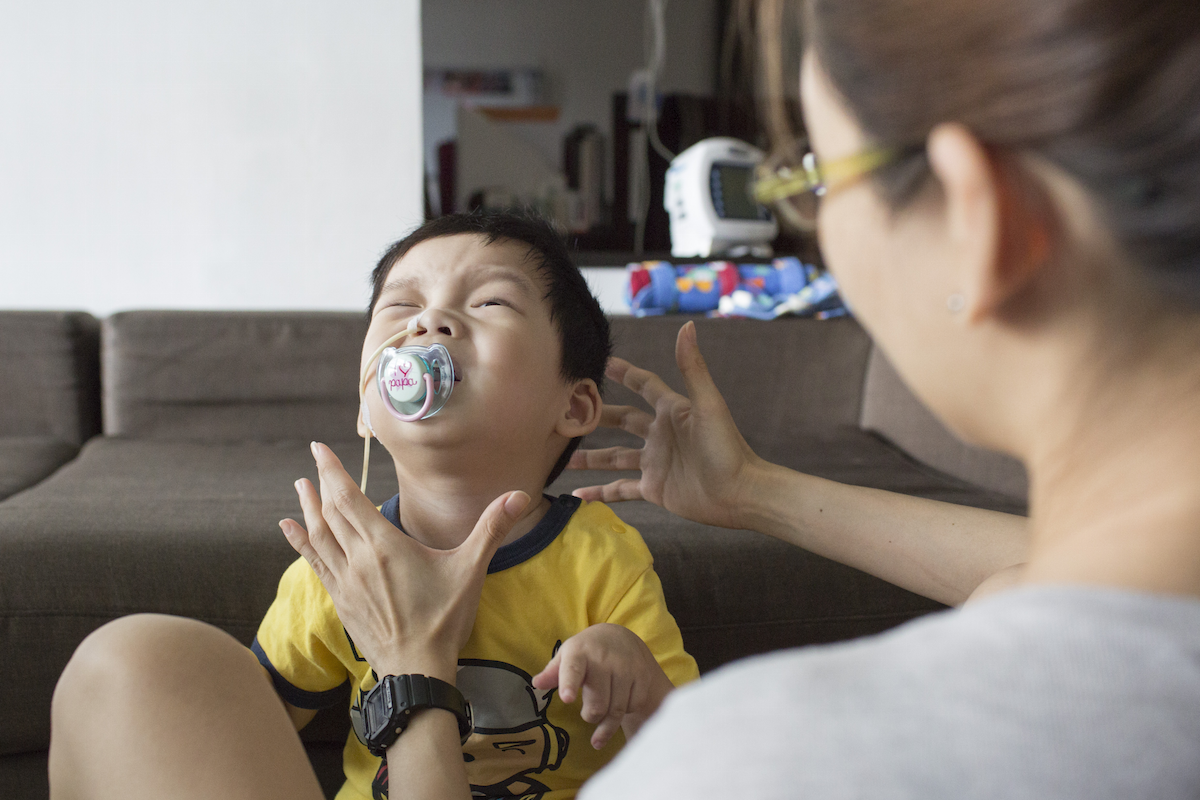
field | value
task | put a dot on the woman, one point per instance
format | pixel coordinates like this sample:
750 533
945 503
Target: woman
1012 207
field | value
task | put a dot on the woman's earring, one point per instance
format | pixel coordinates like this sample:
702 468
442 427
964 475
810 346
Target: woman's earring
956 303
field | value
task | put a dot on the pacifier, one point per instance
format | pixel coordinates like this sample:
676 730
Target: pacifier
414 381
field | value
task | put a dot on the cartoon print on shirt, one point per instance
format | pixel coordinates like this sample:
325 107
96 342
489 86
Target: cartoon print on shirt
512 741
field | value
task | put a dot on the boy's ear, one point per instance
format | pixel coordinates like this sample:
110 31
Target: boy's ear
583 411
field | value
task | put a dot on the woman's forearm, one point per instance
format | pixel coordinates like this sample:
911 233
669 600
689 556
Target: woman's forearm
426 761
939 550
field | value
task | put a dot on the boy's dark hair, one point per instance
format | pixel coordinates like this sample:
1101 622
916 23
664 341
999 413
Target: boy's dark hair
583 329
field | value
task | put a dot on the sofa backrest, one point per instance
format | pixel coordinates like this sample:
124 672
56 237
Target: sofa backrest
782 378
230 376
50 387
892 411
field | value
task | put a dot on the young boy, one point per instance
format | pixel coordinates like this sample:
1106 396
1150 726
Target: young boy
528 343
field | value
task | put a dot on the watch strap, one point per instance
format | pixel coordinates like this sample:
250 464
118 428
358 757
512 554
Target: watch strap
388 708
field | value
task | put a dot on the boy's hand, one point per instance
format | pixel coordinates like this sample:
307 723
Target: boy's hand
621 683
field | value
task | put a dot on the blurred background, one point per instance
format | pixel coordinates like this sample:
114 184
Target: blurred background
262 154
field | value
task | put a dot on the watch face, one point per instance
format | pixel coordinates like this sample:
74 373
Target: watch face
387 707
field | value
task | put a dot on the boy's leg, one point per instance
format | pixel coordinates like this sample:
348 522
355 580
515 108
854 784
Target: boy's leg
153 706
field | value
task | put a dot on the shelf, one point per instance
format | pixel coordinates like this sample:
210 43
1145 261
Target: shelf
520 113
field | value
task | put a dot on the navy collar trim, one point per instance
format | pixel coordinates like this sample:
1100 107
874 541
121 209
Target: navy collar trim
523 549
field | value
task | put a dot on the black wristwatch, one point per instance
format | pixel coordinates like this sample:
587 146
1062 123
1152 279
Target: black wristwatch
388 707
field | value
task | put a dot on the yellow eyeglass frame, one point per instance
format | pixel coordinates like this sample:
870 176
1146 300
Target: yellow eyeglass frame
778 184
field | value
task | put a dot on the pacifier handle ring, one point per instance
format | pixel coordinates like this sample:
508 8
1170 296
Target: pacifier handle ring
424 409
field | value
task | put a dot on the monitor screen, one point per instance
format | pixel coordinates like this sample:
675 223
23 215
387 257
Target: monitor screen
731 198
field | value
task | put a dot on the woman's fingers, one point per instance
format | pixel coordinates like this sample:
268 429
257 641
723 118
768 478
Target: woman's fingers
651 387
297 537
317 534
615 492
626 418
696 377
347 510
607 458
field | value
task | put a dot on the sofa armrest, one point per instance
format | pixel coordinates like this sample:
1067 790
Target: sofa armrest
890 410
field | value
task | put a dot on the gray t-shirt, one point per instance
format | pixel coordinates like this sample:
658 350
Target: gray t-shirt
1040 692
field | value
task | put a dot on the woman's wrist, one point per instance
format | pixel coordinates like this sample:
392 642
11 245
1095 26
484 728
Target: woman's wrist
766 498
430 663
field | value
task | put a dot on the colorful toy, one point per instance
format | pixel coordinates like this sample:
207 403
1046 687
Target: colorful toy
722 288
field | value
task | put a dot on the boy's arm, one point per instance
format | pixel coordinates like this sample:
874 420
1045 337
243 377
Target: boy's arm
643 610
624 666
300 716
290 646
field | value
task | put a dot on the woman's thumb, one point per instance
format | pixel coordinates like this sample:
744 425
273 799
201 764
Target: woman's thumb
498 519
696 378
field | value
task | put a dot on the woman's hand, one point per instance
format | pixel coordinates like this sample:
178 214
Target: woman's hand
616 674
694 461
407 607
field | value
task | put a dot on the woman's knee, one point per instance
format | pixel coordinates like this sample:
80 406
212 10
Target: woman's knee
140 653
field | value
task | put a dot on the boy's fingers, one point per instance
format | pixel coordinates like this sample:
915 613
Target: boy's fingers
604 731
615 492
597 694
618 706
696 377
572 670
548 677
607 458
326 545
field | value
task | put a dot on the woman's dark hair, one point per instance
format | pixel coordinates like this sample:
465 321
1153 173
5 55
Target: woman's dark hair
583 330
1108 90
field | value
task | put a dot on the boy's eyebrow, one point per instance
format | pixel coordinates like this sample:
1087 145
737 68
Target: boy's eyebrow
484 275
508 275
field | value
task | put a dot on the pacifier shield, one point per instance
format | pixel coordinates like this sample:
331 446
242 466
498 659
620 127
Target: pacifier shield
403 378
407 375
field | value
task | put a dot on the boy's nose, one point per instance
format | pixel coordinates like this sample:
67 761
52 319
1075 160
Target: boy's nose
435 320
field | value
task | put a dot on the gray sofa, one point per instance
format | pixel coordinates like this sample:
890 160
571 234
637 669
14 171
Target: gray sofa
173 507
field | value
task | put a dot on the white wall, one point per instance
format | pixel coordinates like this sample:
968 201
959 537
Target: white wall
205 153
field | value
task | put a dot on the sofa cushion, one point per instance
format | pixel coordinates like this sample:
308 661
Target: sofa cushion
25 460
182 528
781 378
232 376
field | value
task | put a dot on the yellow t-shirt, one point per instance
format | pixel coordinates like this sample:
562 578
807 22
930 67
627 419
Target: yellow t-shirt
580 565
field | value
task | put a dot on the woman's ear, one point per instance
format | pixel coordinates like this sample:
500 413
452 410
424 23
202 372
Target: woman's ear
583 411
997 218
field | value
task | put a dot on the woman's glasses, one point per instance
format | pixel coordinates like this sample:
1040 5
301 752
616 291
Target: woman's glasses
794 186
